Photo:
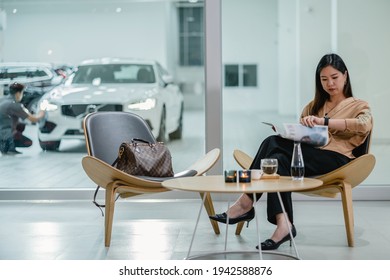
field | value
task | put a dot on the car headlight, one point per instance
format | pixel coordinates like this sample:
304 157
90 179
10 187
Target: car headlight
47 106
147 104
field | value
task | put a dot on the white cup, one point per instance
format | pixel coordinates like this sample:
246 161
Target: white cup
256 174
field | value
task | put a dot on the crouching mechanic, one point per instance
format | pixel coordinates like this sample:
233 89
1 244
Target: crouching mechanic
10 129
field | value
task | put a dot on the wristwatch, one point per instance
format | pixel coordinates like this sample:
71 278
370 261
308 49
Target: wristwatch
326 120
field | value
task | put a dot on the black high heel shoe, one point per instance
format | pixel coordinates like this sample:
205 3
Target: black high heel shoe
246 217
269 244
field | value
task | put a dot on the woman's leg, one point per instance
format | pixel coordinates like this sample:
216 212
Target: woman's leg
276 216
269 147
317 162
242 205
281 149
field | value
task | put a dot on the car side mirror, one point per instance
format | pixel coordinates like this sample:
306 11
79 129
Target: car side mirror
167 79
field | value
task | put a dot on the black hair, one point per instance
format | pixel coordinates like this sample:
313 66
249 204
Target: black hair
321 96
15 88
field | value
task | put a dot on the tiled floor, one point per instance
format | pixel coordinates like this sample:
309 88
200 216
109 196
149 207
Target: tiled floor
146 229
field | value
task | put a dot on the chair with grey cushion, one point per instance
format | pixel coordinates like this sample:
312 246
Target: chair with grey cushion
104 132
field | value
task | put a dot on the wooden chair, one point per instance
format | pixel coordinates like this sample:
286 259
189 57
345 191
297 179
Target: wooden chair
341 180
104 132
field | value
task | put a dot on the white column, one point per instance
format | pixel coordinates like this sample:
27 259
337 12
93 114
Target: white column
213 80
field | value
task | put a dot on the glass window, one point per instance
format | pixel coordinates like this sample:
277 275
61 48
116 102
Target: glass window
249 75
54 159
232 75
240 75
191 36
287 57
288 46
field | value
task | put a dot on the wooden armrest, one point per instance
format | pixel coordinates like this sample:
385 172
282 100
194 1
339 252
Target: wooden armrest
185 173
204 164
103 174
353 172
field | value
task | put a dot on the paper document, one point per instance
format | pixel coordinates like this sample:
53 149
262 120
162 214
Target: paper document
316 136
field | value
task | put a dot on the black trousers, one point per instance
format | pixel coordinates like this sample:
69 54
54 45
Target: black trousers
317 162
22 141
19 139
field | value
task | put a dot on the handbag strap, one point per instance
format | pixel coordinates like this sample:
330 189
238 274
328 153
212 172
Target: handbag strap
100 206
140 140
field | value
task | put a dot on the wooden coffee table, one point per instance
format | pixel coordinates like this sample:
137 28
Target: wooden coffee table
216 184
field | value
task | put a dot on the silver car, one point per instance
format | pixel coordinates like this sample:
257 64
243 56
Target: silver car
143 87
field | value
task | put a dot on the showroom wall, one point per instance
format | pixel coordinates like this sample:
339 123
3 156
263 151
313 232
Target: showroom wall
364 40
354 29
249 36
69 33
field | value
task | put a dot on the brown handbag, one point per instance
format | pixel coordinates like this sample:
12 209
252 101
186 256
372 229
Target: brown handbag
142 158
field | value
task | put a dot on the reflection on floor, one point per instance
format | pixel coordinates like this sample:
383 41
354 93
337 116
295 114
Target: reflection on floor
146 229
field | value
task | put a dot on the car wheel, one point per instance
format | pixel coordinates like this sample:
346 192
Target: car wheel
178 133
163 129
49 145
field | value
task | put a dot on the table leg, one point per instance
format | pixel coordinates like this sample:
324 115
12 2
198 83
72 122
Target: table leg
227 226
257 231
288 226
257 227
196 225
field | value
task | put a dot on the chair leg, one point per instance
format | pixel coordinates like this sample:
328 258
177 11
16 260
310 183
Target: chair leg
346 196
208 204
109 213
239 227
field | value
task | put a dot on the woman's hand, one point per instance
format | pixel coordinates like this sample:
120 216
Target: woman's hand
311 121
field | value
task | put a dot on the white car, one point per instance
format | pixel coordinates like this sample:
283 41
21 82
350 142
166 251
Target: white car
143 87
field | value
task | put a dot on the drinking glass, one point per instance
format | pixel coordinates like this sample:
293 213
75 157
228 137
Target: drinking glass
269 166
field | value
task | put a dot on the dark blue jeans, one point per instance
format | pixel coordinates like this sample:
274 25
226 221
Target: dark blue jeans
7 145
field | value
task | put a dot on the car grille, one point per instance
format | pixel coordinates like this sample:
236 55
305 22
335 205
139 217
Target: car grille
80 110
74 132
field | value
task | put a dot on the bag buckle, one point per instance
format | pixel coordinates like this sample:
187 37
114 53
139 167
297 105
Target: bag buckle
121 150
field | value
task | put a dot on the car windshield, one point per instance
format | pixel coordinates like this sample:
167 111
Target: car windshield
114 73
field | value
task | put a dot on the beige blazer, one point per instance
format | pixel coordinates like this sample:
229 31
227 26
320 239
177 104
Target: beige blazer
358 120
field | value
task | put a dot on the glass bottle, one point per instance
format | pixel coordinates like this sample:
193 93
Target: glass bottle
297 164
